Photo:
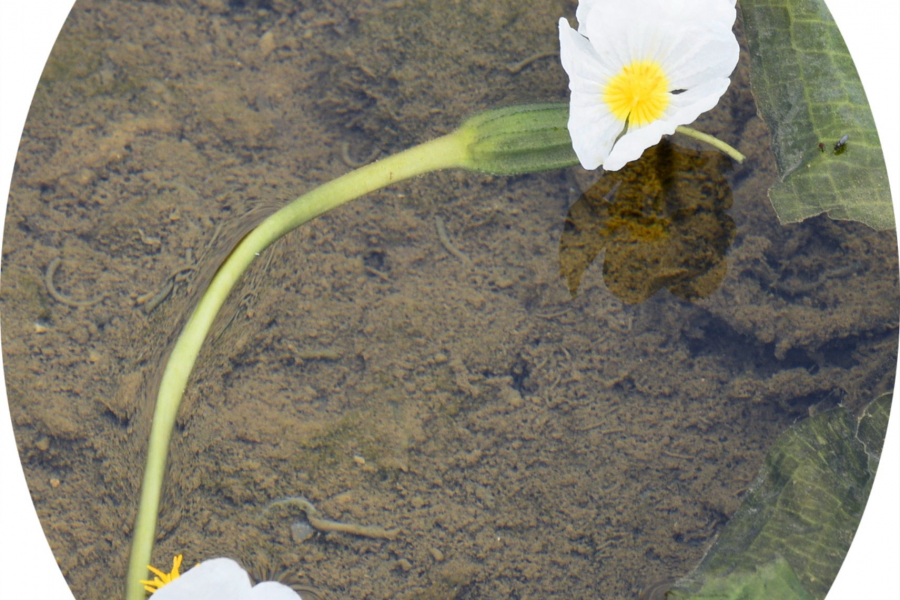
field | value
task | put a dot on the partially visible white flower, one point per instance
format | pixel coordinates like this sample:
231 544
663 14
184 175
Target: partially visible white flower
222 579
640 68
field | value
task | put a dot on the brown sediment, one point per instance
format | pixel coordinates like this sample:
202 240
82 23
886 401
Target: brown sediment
516 430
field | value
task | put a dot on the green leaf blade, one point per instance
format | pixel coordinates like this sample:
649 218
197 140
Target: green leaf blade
808 91
790 535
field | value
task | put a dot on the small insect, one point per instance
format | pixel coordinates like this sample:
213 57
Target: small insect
840 145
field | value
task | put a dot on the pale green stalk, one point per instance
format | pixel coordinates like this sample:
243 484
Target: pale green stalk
517 139
445 152
712 141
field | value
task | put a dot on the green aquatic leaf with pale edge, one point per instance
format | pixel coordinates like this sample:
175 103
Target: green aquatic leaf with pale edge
792 531
808 92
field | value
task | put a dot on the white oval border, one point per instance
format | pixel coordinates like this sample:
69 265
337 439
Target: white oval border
27 33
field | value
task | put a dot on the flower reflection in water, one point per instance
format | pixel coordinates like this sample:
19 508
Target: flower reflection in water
662 222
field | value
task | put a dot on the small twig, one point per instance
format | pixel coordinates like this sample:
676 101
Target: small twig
326 526
554 315
515 68
555 383
678 456
445 241
151 301
158 298
377 273
601 424
59 296
320 354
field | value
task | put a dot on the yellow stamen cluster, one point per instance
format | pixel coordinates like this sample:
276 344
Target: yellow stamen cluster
639 94
161 579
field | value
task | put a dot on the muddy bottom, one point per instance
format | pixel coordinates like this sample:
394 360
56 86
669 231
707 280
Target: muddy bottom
415 359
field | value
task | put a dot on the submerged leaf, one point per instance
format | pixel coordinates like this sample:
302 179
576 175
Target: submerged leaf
792 532
809 93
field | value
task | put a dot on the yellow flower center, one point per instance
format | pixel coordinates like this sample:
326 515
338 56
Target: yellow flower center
161 579
639 93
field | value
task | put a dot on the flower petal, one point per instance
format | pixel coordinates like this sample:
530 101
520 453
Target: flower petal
581 14
695 57
593 130
592 127
631 146
272 590
612 27
215 579
586 72
684 108
623 32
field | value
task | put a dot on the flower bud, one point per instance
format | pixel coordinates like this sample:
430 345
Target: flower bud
519 139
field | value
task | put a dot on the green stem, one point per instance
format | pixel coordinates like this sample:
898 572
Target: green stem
515 139
712 141
445 152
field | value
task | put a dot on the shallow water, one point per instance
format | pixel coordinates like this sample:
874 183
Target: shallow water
527 443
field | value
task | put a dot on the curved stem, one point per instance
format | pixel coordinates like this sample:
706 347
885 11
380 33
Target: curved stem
712 141
445 152
517 139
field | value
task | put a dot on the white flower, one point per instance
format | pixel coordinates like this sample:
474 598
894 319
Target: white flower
640 68
221 579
